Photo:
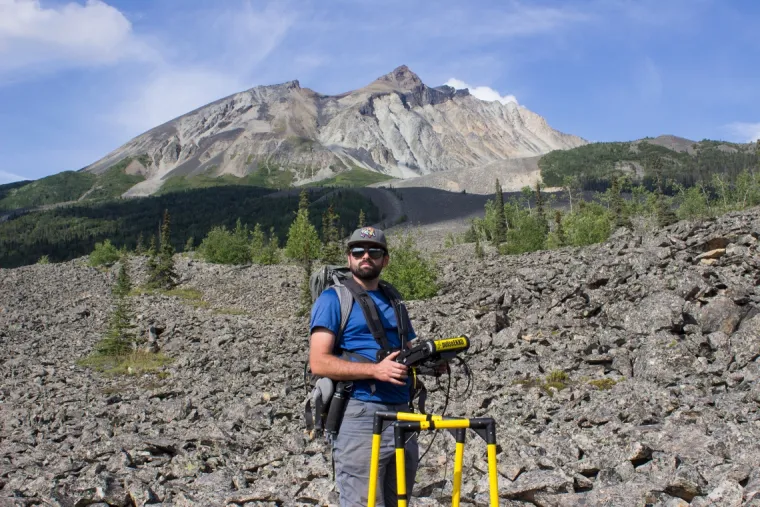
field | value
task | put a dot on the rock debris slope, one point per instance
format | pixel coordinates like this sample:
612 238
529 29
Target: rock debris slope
396 125
652 343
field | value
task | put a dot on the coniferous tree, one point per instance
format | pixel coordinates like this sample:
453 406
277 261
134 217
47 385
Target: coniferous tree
559 229
362 219
665 214
152 247
540 212
303 246
119 336
479 253
500 227
258 243
163 274
123 281
271 252
140 246
190 245
620 216
331 253
471 234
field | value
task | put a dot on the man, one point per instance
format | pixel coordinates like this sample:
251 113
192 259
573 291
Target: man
382 385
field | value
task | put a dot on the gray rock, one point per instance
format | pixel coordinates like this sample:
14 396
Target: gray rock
647 401
727 494
721 314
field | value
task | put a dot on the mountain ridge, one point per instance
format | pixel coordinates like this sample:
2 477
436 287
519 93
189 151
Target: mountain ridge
396 125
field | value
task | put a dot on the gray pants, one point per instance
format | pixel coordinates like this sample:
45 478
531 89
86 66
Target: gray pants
353 448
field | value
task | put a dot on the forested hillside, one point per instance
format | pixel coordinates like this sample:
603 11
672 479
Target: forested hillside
594 166
71 231
69 186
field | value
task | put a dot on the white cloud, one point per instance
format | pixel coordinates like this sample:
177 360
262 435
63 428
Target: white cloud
510 19
35 38
235 41
747 132
6 177
172 92
481 92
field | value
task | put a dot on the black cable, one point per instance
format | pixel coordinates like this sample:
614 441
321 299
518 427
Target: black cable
443 414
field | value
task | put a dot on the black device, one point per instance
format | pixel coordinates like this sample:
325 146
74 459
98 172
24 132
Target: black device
337 408
427 354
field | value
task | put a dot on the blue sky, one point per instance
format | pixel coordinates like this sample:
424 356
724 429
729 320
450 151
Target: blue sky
80 78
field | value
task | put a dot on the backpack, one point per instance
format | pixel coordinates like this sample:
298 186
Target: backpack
349 292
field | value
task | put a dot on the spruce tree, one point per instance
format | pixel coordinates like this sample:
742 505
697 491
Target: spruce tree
271 252
559 229
152 263
617 205
123 282
152 247
479 253
303 246
258 244
540 212
162 274
190 245
665 214
362 219
140 246
331 253
499 234
119 336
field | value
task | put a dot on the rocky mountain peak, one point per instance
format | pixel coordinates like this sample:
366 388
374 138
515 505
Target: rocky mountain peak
401 78
396 125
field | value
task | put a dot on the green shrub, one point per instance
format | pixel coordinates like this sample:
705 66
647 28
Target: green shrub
104 254
693 203
410 272
479 252
44 260
270 253
589 224
528 234
221 246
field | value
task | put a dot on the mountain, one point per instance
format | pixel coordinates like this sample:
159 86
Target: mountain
397 126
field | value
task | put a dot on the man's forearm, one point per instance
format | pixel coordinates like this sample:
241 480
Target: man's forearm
339 369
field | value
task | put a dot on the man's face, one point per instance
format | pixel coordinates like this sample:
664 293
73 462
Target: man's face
362 264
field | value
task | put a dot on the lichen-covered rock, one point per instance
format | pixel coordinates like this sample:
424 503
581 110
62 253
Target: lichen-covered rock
618 375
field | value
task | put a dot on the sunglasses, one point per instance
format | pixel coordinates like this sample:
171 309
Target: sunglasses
358 252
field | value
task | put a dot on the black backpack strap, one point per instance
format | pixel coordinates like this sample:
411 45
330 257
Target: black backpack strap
399 308
369 309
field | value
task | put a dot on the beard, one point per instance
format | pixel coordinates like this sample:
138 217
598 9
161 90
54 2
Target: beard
366 272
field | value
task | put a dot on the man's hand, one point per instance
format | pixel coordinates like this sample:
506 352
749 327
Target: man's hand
388 370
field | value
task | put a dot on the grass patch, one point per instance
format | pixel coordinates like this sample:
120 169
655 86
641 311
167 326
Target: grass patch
265 176
114 182
133 363
355 177
556 380
604 384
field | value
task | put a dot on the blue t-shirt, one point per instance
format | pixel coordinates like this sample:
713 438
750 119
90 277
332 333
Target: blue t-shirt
357 338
